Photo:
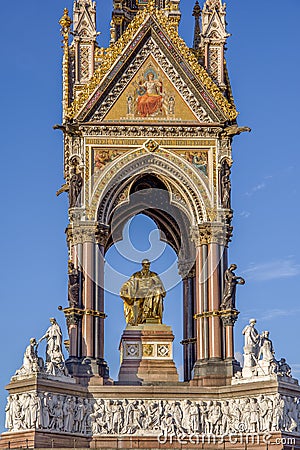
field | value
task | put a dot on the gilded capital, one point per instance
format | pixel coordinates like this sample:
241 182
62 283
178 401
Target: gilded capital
211 233
102 234
229 317
81 233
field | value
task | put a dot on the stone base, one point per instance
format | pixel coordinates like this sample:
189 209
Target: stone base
40 439
214 372
85 369
148 420
264 378
147 355
272 441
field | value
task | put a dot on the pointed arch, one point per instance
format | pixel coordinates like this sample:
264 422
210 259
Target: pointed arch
187 186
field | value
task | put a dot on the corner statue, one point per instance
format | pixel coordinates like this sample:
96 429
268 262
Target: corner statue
55 361
230 283
143 296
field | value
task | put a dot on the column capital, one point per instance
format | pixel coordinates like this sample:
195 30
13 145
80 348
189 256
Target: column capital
186 268
102 234
211 233
229 317
81 232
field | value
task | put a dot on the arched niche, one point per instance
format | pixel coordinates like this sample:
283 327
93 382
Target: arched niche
144 238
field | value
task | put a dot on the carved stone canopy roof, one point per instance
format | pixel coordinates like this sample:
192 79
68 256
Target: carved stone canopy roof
150 22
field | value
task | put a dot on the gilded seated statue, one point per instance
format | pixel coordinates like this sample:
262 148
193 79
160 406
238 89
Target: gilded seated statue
143 296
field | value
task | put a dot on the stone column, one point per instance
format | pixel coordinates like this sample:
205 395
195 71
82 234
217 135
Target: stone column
223 267
229 318
201 298
88 266
214 288
189 336
210 240
86 322
73 313
101 238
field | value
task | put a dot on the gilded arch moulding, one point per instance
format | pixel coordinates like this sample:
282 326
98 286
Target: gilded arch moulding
162 163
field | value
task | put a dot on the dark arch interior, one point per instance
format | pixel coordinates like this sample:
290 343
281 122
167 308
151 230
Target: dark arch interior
149 196
147 182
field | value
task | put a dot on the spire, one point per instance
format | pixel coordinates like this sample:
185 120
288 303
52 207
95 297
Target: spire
125 10
213 39
65 23
85 33
197 30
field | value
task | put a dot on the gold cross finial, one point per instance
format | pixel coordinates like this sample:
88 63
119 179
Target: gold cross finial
65 21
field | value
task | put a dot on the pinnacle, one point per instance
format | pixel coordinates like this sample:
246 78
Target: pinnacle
197 10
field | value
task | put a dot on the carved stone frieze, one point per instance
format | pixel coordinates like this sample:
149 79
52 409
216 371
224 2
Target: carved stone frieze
79 415
150 131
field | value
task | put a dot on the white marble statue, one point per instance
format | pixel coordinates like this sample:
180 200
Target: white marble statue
55 362
251 337
266 363
31 362
259 356
251 348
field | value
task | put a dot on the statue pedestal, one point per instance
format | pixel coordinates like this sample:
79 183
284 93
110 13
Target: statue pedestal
147 355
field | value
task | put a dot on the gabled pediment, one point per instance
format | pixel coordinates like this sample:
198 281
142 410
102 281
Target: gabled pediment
84 19
215 29
112 84
153 93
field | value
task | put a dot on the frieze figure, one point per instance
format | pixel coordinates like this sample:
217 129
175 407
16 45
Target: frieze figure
143 296
230 283
83 416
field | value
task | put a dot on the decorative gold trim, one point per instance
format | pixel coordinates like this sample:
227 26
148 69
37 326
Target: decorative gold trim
91 312
65 23
188 341
82 312
115 50
217 313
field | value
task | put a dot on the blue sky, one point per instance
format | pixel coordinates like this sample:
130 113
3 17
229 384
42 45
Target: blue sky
264 61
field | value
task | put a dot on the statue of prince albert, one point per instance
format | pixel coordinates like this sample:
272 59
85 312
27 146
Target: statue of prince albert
143 296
